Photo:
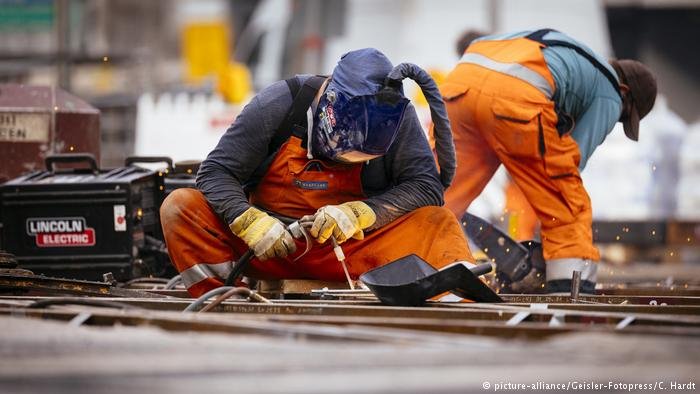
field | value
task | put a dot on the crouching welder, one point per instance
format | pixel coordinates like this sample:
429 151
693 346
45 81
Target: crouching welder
540 103
348 149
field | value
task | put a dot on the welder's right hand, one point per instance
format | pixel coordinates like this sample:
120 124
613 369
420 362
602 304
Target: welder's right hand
264 234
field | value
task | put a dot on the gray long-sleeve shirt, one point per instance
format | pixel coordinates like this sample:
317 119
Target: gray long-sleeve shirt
401 181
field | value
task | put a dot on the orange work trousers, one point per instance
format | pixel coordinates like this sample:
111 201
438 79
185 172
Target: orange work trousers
522 220
195 234
498 119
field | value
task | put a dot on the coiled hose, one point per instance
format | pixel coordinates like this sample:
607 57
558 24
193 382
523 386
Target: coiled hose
444 144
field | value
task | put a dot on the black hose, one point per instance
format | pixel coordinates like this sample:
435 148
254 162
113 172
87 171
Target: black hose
444 145
239 267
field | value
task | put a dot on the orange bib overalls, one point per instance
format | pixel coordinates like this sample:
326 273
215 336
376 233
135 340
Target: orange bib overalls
202 247
499 103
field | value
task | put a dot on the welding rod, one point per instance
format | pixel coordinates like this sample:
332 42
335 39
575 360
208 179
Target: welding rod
341 257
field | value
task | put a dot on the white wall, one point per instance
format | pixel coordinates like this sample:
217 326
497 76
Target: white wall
424 31
583 20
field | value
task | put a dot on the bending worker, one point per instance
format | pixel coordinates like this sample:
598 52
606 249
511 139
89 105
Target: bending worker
347 149
540 103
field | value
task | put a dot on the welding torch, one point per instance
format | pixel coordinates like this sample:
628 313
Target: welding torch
298 229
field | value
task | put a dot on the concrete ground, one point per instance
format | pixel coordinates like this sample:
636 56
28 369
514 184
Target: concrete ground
46 356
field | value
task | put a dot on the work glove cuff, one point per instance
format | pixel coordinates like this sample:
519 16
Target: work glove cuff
364 214
264 234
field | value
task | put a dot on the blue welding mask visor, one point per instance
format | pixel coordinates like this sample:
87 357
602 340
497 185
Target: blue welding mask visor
356 129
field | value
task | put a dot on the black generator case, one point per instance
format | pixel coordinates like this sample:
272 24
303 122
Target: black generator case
82 222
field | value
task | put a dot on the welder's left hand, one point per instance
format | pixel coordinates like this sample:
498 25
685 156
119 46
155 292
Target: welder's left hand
343 221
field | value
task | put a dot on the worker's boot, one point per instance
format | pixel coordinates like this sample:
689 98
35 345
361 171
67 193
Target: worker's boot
560 273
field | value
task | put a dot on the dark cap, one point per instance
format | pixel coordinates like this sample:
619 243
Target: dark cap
360 72
466 39
642 93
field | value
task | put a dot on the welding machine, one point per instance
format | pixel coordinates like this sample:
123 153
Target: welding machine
83 222
179 175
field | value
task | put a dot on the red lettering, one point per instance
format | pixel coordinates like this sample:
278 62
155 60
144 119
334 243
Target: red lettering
55 240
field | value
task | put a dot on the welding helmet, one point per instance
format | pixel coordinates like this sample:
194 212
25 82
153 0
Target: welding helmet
355 129
357 118
360 113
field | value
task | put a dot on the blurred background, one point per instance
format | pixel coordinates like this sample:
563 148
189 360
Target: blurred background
168 77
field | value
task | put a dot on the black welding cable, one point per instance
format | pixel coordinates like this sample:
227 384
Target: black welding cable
444 144
239 267
79 301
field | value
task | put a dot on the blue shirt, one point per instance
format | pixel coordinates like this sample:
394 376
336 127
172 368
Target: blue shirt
582 91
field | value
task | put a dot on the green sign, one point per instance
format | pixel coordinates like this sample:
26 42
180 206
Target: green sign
26 14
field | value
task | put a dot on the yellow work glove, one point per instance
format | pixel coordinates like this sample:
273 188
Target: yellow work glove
343 221
266 235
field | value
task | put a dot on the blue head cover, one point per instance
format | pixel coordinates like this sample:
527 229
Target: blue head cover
357 118
360 72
